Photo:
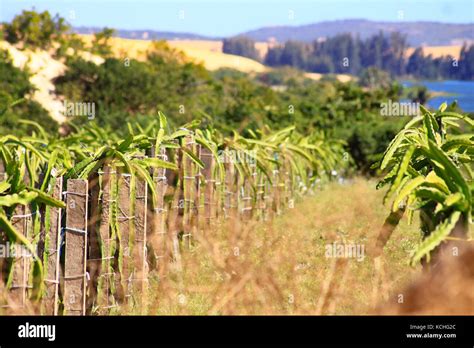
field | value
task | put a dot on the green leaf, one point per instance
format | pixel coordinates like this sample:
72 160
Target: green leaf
431 194
51 163
143 173
402 169
125 144
429 127
436 237
392 148
163 120
437 156
124 160
434 180
406 190
156 162
193 157
47 199
22 198
456 143
4 186
443 107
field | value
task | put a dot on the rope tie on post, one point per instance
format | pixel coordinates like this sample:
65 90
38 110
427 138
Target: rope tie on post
24 216
72 229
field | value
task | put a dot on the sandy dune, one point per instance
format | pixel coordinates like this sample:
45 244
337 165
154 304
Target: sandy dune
43 69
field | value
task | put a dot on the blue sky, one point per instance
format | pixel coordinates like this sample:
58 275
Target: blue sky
230 17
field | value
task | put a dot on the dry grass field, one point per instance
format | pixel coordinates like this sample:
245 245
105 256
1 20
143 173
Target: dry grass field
439 51
282 267
208 53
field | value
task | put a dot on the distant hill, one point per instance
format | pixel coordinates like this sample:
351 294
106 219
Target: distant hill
146 34
418 33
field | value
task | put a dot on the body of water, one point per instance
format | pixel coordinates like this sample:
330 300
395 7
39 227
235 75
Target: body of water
462 91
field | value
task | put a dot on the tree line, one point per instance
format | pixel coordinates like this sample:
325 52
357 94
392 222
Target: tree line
346 54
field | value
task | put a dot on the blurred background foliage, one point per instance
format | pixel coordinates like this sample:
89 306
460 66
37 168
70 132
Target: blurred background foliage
229 99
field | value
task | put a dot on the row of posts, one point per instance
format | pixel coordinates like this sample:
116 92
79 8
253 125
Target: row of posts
98 252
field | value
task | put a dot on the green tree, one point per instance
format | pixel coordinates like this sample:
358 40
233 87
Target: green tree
466 63
101 44
294 54
35 29
241 46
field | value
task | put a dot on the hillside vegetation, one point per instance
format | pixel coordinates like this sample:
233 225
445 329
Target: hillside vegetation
163 79
198 52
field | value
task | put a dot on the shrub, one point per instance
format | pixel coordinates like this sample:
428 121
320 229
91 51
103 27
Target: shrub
35 29
100 44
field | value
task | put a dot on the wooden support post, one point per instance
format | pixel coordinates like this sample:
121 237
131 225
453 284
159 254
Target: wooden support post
247 199
239 195
124 216
285 185
175 210
259 191
248 188
197 205
219 189
289 195
3 238
21 221
94 259
268 199
160 235
156 230
209 192
230 196
189 189
106 271
52 250
276 191
21 263
76 247
140 275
